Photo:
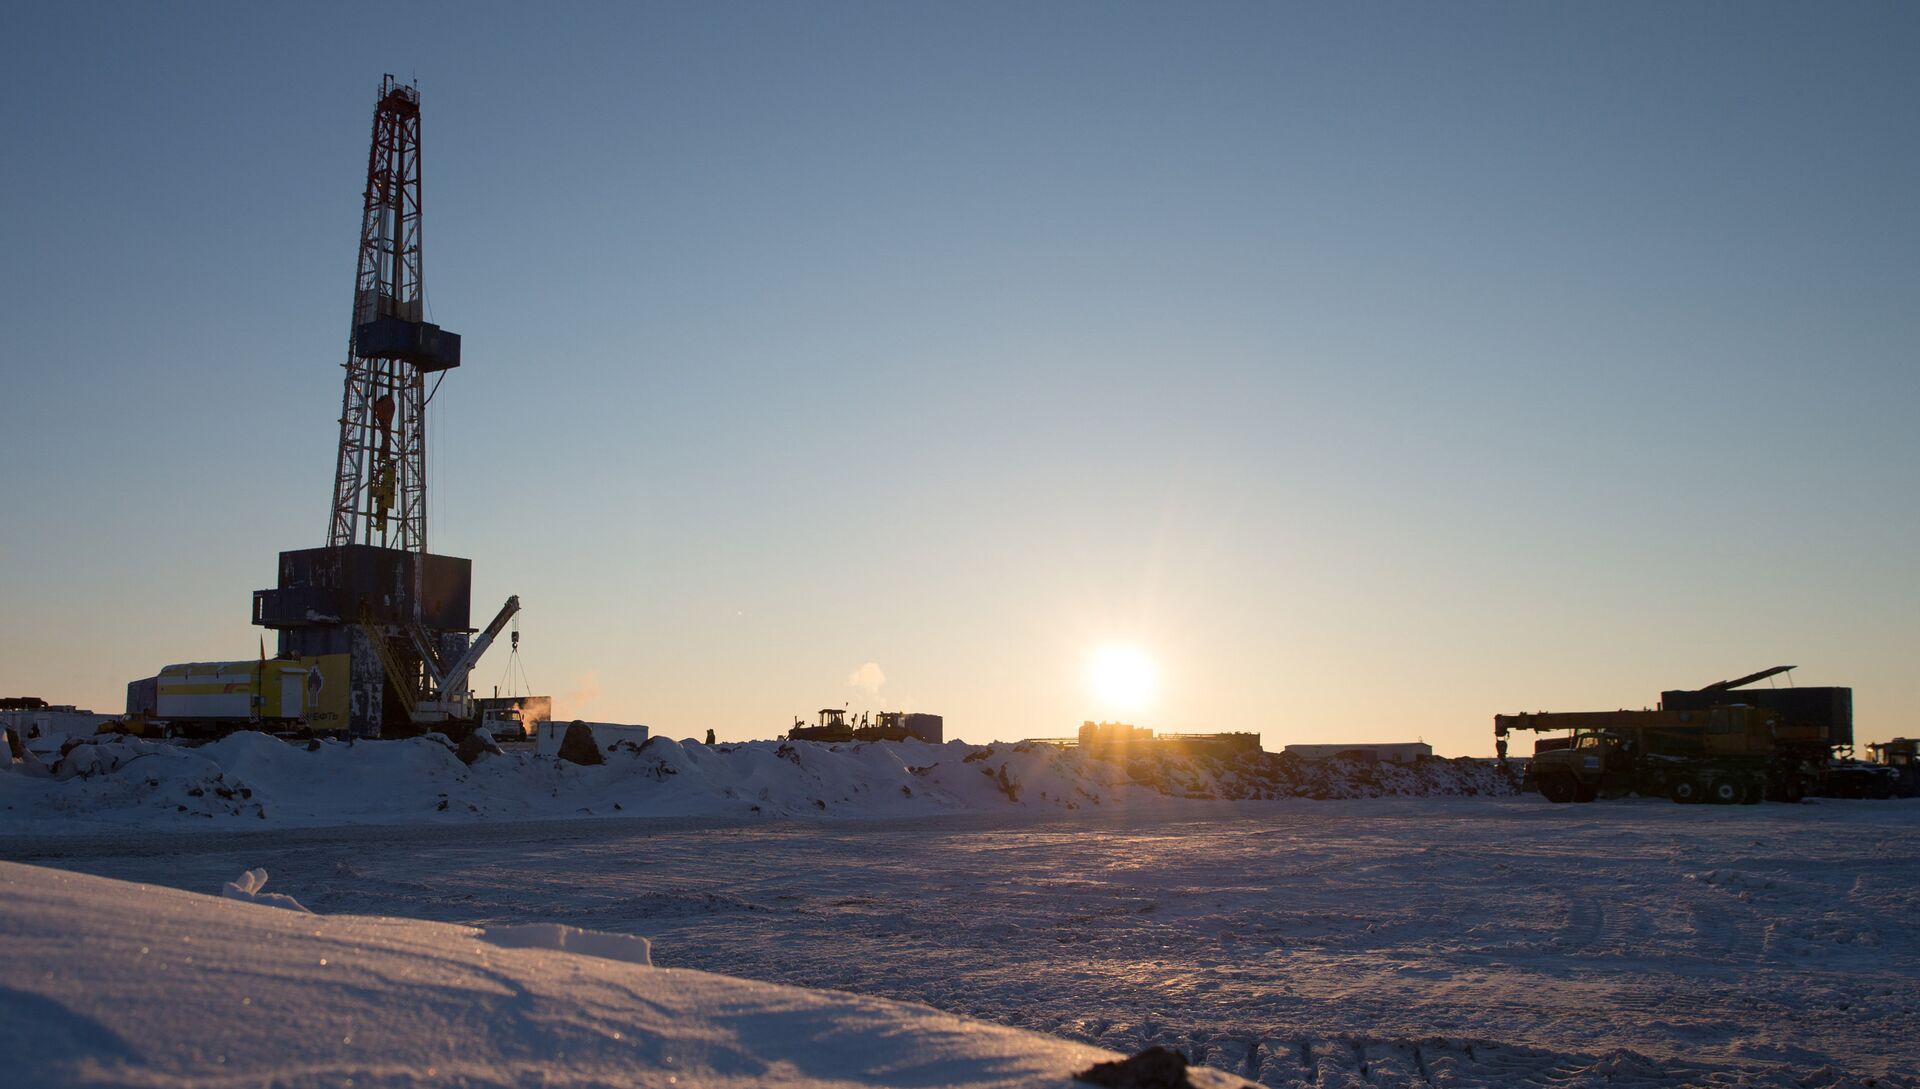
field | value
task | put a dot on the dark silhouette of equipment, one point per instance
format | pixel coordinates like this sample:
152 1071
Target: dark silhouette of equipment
1812 726
834 725
1719 754
1901 759
1797 740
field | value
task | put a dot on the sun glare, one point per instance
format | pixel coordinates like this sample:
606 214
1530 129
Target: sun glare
1121 678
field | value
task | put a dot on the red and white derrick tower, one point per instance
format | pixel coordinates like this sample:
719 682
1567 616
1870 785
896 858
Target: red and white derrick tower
383 623
380 483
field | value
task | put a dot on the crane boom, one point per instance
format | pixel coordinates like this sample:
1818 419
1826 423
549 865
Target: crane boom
456 679
1739 682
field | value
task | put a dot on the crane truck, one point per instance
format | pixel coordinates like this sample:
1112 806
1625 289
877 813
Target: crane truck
1723 754
446 704
1808 742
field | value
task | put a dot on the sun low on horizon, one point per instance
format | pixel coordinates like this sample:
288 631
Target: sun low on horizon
1122 679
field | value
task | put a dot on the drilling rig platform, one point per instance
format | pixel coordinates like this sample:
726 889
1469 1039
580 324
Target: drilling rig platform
374 631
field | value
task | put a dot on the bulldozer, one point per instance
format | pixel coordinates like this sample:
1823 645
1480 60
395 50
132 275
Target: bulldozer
832 726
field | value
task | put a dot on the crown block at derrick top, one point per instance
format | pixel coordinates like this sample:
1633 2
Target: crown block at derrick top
339 584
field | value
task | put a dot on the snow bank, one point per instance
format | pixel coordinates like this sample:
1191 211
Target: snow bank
106 982
247 779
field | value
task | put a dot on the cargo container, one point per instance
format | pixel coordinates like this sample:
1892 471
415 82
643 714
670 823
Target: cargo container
210 697
924 727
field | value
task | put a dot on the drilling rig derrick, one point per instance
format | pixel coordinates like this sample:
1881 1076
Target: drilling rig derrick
384 624
380 483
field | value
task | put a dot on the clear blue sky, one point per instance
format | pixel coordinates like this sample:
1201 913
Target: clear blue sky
1372 368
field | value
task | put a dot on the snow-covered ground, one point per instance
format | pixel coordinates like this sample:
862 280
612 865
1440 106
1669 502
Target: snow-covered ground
254 780
109 983
1389 941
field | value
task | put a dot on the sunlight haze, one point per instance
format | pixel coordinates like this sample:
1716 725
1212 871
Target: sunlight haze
1350 373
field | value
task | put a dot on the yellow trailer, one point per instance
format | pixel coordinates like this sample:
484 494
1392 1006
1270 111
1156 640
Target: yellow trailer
196 697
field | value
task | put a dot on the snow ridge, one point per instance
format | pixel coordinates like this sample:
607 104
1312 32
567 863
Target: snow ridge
248 778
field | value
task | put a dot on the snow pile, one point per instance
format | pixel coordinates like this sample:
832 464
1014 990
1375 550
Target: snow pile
251 778
105 982
136 780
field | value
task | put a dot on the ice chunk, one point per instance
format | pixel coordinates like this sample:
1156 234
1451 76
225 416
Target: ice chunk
248 885
631 948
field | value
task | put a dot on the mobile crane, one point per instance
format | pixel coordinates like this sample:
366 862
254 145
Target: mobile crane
1722 754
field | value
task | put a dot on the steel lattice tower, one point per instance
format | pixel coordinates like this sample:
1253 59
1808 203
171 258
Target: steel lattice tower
380 482
383 625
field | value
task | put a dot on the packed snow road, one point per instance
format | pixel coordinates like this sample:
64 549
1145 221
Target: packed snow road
1387 941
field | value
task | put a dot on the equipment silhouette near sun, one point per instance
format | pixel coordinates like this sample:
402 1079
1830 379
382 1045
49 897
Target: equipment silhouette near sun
1121 678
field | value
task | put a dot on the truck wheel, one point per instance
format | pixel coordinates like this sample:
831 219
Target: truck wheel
1725 791
1585 792
1793 790
1686 792
1753 792
1557 787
